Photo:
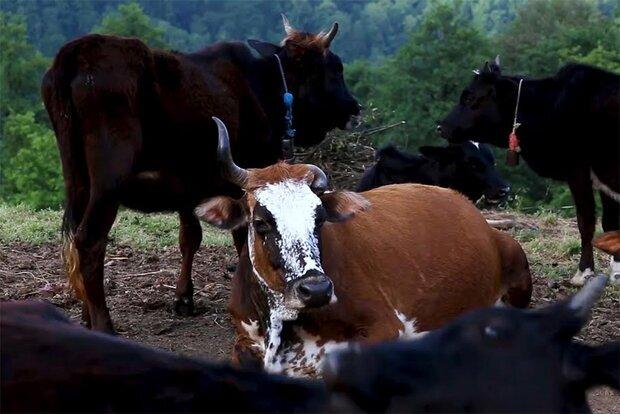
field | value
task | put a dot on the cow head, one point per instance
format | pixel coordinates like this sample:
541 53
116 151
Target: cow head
284 207
314 76
490 360
470 169
485 109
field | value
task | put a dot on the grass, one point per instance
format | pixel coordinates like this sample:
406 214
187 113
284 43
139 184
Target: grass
139 231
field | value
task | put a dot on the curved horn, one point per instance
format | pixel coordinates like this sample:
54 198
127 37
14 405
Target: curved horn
320 181
329 36
229 169
287 25
583 301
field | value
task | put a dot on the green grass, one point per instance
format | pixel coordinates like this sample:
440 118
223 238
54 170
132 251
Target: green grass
137 230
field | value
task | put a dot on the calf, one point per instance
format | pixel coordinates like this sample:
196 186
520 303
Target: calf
468 168
490 360
52 365
567 127
410 258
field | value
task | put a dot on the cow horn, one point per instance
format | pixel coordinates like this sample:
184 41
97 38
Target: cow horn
231 171
320 181
287 25
329 36
583 301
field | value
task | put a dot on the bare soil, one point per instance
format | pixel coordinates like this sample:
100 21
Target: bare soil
140 292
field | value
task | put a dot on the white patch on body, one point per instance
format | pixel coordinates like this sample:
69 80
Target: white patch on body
409 330
252 330
580 277
293 207
599 185
305 357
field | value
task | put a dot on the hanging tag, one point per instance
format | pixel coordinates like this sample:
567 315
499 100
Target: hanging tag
512 157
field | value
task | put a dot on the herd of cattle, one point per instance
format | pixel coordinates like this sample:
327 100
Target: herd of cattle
387 293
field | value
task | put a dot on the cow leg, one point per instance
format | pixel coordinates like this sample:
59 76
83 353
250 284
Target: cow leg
90 242
611 222
190 236
583 196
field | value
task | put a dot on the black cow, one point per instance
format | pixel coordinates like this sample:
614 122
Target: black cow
468 168
52 365
491 360
569 130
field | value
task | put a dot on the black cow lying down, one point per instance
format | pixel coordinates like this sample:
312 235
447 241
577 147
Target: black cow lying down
468 168
52 365
492 360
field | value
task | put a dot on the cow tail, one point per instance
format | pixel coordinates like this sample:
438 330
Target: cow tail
56 91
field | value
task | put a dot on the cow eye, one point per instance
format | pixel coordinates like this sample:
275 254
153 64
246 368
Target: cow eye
261 226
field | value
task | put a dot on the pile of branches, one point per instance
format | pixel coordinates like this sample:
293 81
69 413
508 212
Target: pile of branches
343 155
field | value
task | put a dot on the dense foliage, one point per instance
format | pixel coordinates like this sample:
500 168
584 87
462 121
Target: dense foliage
407 60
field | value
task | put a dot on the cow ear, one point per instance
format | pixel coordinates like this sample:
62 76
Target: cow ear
222 212
342 205
593 366
265 49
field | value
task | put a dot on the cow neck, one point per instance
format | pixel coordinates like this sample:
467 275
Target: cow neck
266 83
273 321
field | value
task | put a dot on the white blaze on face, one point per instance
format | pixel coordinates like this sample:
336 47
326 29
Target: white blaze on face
293 206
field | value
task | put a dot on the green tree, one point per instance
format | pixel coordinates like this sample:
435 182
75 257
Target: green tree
32 175
21 67
129 20
422 82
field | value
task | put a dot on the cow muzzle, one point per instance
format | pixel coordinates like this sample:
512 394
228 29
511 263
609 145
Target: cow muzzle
313 290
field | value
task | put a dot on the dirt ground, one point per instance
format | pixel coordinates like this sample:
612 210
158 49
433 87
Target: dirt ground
140 291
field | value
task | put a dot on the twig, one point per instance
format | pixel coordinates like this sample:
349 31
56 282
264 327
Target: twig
146 273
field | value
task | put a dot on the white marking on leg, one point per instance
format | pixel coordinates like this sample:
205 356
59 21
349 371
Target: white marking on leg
614 278
580 277
252 330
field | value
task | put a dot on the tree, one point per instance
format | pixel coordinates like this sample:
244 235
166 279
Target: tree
21 67
129 20
422 82
32 175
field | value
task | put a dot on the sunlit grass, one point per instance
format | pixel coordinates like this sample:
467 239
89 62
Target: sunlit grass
139 231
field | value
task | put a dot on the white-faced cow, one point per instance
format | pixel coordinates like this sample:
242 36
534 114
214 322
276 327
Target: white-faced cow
567 127
488 361
323 268
134 128
468 168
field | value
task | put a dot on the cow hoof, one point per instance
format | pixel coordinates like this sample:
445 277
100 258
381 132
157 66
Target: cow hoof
581 277
184 306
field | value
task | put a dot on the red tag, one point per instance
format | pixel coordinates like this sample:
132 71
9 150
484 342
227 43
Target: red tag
513 142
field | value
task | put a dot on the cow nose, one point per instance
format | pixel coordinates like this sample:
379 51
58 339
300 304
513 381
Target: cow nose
315 290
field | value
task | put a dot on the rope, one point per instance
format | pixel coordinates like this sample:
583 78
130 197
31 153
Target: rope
288 144
281 73
515 124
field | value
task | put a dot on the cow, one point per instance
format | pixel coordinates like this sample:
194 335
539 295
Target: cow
566 127
468 168
50 364
489 360
134 129
321 269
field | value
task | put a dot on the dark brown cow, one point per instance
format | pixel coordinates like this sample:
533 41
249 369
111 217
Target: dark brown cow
134 128
412 258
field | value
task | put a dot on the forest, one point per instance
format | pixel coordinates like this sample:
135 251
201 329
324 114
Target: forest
404 60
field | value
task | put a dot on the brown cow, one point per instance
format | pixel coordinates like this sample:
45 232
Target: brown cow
134 128
412 258
609 242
